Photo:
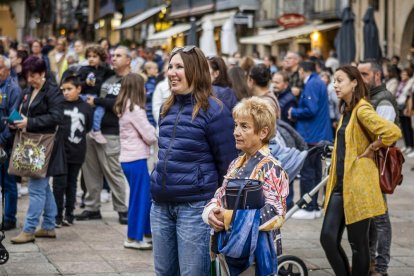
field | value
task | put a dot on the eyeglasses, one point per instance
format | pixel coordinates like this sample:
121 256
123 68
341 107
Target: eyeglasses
184 49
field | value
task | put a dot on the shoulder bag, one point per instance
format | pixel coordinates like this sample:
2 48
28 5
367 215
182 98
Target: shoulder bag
31 154
389 161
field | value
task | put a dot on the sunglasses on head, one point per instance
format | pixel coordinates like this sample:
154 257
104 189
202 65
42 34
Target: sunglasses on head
184 49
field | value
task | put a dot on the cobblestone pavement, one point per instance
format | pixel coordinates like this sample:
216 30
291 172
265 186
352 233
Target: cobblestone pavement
96 247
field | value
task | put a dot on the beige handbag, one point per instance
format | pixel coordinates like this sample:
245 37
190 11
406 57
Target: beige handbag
31 154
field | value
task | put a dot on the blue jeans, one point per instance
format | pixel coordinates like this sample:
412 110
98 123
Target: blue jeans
310 176
41 200
380 235
180 239
98 113
10 193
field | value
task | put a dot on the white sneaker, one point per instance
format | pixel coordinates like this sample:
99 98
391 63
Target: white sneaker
403 149
147 239
407 150
411 154
303 214
318 213
24 190
105 196
141 245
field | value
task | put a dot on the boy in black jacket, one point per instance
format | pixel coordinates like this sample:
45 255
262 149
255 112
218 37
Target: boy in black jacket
92 77
78 116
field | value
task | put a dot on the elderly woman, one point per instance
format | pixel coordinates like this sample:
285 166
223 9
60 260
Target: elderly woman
195 148
254 126
41 110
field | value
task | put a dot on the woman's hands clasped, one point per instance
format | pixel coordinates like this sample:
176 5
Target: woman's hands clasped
216 219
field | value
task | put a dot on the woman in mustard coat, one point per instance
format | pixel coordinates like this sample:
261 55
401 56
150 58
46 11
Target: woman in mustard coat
353 193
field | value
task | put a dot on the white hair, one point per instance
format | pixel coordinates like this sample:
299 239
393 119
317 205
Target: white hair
6 61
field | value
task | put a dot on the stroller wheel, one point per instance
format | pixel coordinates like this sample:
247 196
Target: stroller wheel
290 265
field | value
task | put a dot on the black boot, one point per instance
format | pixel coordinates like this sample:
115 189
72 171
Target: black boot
8 225
88 215
123 217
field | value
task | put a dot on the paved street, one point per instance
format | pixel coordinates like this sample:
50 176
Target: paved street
96 247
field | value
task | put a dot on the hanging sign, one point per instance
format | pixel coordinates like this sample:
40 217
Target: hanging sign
291 20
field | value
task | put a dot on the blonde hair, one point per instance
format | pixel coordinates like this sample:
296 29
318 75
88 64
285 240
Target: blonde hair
148 65
260 111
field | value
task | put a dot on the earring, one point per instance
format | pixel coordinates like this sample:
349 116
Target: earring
353 89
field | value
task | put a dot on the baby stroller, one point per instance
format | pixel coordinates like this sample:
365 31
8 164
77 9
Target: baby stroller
290 264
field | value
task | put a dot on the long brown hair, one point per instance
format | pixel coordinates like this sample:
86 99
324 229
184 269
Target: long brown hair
238 79
132 88
360 92
198 77
218 64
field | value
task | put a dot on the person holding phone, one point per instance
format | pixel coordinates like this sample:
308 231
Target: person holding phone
9 101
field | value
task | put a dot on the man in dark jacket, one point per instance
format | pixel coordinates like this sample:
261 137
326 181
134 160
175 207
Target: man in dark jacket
10 95
291 66
313 124
281 88
385 105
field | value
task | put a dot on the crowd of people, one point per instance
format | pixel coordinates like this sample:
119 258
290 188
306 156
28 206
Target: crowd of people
181 128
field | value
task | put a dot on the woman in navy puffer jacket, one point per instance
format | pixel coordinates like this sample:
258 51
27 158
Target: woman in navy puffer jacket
196 146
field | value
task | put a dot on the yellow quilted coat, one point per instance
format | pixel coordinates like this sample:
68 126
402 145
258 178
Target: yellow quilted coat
361 190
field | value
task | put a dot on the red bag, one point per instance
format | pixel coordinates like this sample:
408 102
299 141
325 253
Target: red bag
390 161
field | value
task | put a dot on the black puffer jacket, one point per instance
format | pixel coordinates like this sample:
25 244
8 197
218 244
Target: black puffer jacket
43 115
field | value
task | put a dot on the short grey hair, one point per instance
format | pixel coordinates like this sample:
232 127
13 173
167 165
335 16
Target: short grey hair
6 61
127 51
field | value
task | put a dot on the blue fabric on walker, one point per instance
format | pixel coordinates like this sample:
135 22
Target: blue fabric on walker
245 244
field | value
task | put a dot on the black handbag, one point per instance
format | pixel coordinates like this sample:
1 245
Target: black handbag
243 194
248 193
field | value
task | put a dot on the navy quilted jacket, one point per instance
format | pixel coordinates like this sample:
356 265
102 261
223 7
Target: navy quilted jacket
194 154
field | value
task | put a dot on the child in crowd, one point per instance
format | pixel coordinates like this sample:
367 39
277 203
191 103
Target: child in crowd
136 135
76 123
151 72
92 77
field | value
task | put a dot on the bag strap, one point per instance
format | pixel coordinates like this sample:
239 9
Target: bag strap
237 204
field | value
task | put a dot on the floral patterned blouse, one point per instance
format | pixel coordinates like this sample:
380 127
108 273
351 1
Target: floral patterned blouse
275 185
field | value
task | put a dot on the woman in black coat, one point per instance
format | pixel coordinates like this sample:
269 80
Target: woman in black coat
42 112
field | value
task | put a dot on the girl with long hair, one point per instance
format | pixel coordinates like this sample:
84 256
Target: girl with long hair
136 135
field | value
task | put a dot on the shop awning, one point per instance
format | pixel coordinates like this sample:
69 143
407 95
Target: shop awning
140 17
160 38
218 18
270 37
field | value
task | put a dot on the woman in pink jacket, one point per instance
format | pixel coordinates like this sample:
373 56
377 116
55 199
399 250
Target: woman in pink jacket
136 135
